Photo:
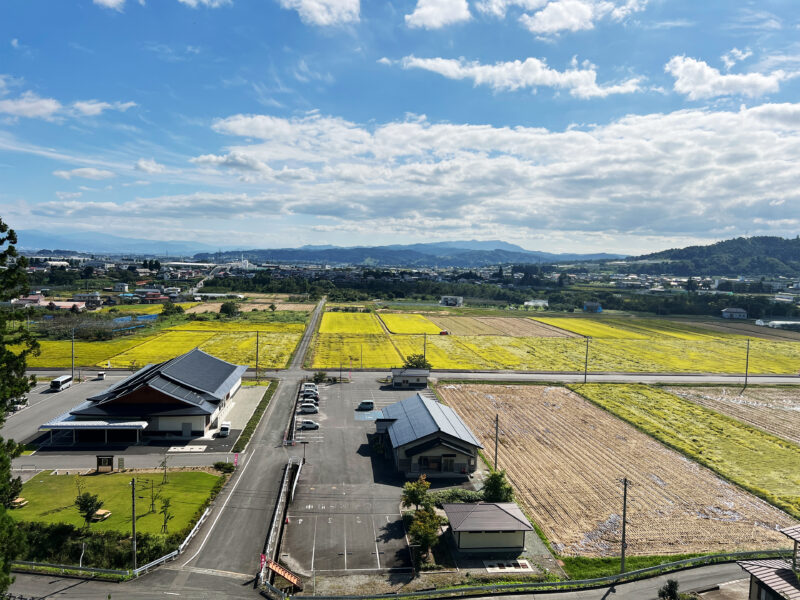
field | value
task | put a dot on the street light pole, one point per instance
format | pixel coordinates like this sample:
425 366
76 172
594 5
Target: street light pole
73 353
133 519
586 361
304 451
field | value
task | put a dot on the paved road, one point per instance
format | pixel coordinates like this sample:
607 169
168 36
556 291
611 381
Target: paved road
199 584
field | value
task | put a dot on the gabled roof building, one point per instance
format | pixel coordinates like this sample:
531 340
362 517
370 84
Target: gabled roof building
488 526
427 437
185 396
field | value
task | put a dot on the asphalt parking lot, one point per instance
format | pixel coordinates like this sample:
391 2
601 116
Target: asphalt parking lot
346 512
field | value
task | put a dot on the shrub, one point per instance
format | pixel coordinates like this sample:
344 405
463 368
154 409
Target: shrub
224 467
454 496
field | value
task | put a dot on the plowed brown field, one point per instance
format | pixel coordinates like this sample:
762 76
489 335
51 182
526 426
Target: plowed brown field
510 326
211 307
773 409
566 459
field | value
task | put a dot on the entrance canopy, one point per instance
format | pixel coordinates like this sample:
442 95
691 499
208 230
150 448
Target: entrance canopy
68 421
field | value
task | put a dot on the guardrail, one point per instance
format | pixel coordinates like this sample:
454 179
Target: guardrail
194 530
277 516
159 561
63 568
573 585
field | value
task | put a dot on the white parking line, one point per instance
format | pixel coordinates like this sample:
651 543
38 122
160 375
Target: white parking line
314 544
375 536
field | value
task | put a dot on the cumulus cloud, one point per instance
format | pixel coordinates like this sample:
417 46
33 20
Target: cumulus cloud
642 175
113 4
325 12
85 173
435 14
581 82
30 105
697 80
551 17
68 195
149 165
93 108
735 55
205 3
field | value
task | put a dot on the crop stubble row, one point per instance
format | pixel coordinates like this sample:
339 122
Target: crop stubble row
566 458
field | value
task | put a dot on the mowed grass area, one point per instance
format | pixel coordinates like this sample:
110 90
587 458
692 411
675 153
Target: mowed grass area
332 350
409 323
350 323
761 463
51 499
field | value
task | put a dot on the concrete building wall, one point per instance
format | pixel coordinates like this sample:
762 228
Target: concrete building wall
495 540
175 424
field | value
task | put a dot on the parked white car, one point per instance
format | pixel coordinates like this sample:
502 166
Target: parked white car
308 424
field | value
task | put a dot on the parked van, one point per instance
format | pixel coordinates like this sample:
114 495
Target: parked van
366 405
308 408
60 383
224 429
309 386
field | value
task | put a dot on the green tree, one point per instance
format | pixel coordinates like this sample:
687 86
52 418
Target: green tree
169 308
165 512
416 361
669 591
424 529
415 493
17 344
88 504
496 488
229 309
272 307
319 376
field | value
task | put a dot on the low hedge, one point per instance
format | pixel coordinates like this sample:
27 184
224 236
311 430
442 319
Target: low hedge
250 428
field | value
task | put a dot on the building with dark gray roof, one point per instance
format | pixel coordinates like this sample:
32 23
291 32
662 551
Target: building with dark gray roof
185 395
427 437
488 526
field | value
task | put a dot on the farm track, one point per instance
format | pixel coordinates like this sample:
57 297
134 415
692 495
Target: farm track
566 458
775 410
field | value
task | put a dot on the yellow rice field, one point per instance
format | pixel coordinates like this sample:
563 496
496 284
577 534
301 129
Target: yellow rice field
236 326
350 323
409 323
332 350
590 328
57 353
160 348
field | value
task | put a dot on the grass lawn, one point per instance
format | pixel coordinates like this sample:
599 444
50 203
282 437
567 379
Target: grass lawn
50 499
589 568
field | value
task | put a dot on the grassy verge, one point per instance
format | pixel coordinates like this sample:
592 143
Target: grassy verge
579 567
250 428
37 570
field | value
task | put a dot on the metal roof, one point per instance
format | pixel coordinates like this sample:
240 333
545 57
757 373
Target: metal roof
492 516
68 421
776 574
411 372
195 378
792 532
417 417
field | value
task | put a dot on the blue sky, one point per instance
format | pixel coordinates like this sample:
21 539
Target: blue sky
560 125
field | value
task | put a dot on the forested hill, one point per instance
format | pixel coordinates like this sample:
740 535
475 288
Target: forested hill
764 255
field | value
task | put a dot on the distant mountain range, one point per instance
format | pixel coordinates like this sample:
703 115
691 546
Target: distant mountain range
754 256
103 243
465 254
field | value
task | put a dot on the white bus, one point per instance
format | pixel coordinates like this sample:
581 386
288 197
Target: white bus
60 383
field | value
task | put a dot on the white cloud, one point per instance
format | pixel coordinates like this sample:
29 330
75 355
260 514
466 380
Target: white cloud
643 175
149 165
551 17
325 12
15 43
85 173
92 108
498 8
435 14
113 4
735 55
206 3
581 82
68 195
697 80
30 105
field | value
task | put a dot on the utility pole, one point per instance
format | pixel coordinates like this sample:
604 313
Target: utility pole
361 362
73 353
424 345
746 366
340 371
256 355
586 362
624 521
304 451
133 518
496 437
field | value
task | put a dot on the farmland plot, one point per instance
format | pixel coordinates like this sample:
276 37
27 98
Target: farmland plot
524 327
665 328
772 409
332 350
409 323
350 323
444 351
236 326
161 348
57 353
566 457
465 326
758 461
590 327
